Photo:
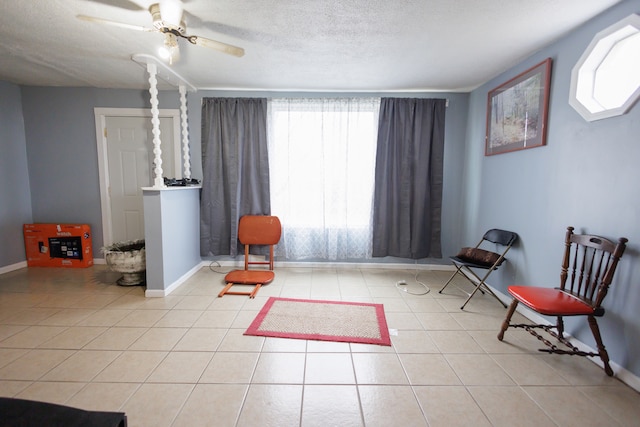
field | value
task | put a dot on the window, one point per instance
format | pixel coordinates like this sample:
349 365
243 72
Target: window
606 80
322 161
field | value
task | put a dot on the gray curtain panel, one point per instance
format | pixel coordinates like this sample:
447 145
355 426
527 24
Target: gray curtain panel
235 169
408 178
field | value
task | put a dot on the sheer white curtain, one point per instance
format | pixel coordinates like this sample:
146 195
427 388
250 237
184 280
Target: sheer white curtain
322 156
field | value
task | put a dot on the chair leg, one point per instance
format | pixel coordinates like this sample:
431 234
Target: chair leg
224 291
475 289
507 320
488 289
560 326
604 356
461 270
450 279
252 294
479 287
255 290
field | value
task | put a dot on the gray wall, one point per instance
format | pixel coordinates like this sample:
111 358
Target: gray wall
62 150
15 200
586 176
62 153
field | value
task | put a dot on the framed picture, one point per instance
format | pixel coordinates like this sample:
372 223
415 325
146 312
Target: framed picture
517 111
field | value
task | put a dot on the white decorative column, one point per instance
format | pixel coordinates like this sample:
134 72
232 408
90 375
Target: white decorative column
171 214
158 181
185 131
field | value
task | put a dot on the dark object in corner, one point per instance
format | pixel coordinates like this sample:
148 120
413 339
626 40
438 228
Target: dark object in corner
27 413
174 182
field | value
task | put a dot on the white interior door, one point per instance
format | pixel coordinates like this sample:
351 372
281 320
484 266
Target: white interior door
128 159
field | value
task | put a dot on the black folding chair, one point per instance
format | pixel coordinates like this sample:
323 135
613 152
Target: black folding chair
482 259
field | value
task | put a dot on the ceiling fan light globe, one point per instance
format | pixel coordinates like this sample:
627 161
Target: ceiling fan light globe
171 55
169 50
163 52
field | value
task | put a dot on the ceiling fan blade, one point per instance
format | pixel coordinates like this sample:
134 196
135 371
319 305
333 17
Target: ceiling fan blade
114 23
121 4
213 44
236 32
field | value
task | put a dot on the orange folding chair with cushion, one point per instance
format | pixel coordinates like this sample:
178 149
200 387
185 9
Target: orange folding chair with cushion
254 230
589 263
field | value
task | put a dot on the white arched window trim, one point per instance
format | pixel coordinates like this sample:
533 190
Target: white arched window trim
611 58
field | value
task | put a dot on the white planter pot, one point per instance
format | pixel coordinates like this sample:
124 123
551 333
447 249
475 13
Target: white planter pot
128 258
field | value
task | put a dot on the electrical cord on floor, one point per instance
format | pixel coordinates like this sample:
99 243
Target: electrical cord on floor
217 265
401 284
404 286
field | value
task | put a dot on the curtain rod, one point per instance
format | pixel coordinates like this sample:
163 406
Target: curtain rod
446 101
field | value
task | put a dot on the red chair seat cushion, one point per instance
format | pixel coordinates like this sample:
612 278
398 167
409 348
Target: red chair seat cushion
250 277
551 302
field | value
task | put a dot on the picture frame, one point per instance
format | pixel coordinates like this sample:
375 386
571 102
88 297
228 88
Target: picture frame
517 111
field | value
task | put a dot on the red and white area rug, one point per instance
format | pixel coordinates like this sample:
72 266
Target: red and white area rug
322 320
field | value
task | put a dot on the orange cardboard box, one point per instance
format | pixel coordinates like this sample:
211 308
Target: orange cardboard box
58 245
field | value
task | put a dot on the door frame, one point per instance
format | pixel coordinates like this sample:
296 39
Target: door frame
101 115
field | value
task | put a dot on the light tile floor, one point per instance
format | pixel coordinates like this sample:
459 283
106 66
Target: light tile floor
71 336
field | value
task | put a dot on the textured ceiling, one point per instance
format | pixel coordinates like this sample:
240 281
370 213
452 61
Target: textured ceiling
310 45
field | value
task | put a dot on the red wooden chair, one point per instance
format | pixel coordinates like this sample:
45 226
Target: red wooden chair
254 230
589 263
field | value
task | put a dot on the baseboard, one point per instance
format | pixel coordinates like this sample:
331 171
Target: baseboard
627 377
341 265
366 265
285 264
159 293
13 267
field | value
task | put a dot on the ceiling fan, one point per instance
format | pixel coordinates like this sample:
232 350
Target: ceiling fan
167 18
